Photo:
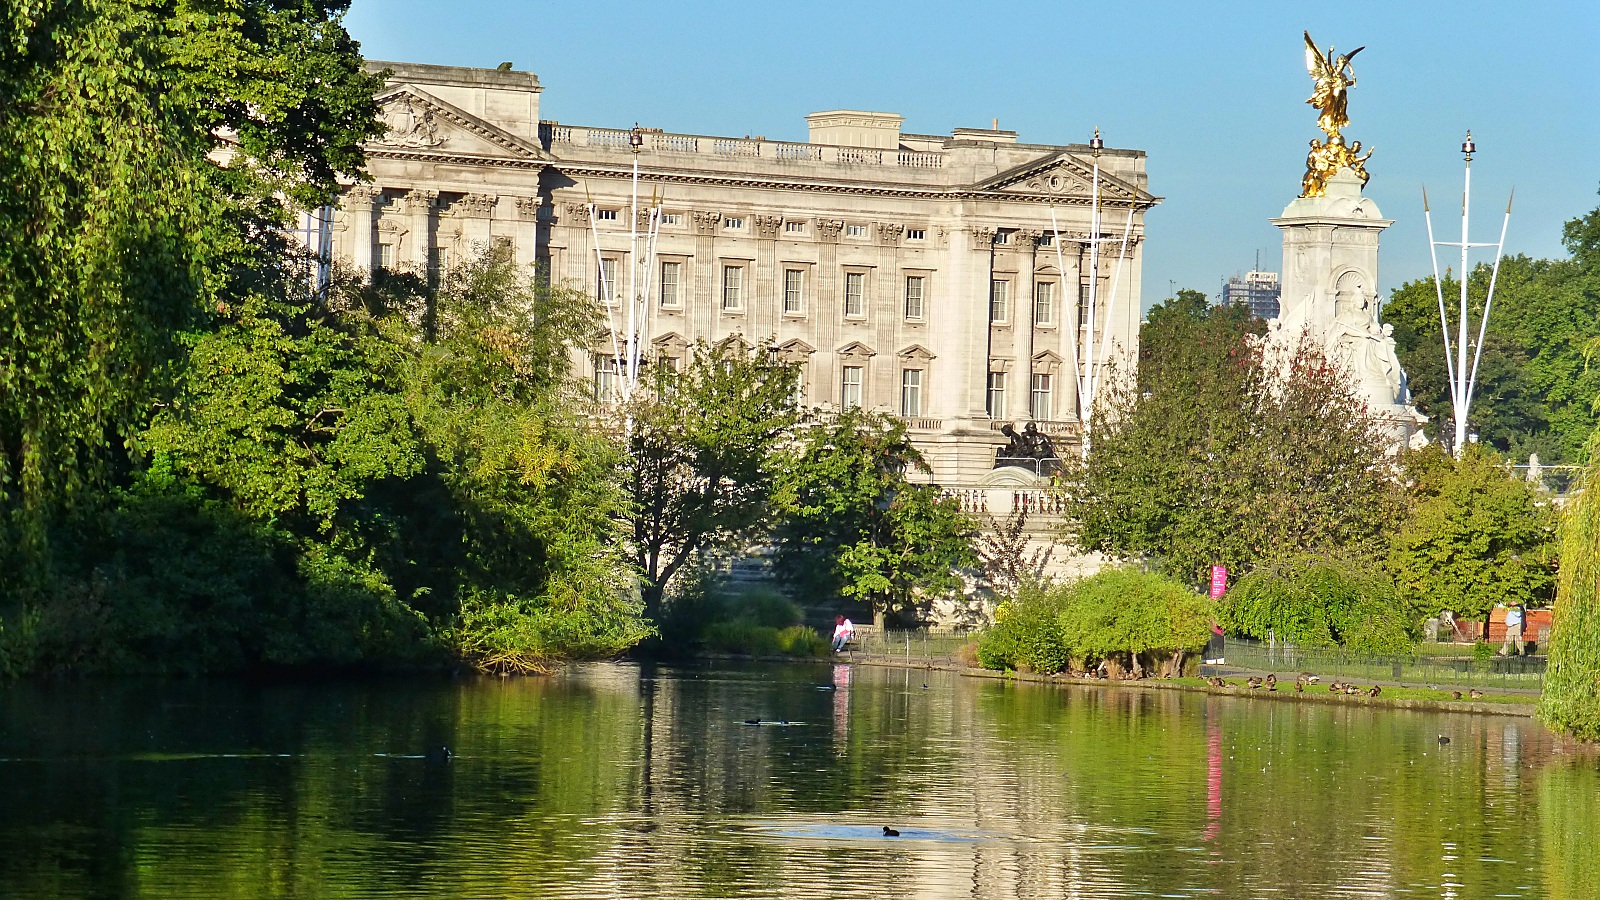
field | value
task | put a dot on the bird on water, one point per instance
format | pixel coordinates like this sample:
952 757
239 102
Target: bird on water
890 832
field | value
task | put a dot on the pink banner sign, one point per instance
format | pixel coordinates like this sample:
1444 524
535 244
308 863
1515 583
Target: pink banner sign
1219 581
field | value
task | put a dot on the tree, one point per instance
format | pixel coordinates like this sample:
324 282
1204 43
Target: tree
701 457
1570 701
853 524
1475 536
1213 456
1313 600
119 228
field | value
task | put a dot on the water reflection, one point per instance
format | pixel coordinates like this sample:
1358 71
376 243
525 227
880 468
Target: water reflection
619 781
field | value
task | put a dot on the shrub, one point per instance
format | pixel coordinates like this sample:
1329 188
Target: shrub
1316 600
800 640
1026 634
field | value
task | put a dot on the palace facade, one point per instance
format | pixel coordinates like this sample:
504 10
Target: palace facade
941 278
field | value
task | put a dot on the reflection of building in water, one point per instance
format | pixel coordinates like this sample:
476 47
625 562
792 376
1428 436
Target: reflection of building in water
1257 290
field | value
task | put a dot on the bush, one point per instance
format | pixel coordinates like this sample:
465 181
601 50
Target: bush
1122 615
1026 634
1314 600
756 620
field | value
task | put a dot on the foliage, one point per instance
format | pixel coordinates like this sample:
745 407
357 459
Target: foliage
1124 613
1215 455
1315 600
1002 550
702 460
1475 536
853 524
1026 634
341 481
1119 614
119 226
1535 384
1571 698
757 620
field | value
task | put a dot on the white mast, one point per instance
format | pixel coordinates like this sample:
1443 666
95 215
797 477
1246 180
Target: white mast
1464 381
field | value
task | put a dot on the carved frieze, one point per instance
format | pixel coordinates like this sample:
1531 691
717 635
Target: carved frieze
1024 240
889 233
768 226
478 205
360 197
828 230
577 214
982 238
705 222
410 125
420 200
528 207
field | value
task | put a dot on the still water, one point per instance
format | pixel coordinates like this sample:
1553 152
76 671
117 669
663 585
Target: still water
616 781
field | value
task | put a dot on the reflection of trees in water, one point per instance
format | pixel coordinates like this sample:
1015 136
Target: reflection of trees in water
617 781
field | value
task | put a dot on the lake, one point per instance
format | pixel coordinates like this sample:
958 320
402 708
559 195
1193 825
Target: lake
613 780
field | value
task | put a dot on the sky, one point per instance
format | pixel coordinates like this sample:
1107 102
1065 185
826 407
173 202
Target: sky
1213 92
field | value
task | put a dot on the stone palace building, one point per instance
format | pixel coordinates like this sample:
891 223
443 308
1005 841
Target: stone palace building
921 275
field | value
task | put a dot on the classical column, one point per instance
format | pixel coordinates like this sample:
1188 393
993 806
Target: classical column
705 305
420 207
764 306
476 212
1023 244
525 234
358 203
823 307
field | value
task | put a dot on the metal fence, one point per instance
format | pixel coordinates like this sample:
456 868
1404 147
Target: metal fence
914 645
1517 672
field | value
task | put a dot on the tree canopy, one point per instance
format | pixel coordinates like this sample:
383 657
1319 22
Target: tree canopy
1215 456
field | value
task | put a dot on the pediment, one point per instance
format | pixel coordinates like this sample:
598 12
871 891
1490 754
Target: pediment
671 342
856 350
794 351
916 352
734 342
1047 361
1064 176
419 122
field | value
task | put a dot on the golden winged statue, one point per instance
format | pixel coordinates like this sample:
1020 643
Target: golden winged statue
1333 80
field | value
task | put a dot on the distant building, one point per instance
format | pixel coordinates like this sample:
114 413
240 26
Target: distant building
943 278
1257 290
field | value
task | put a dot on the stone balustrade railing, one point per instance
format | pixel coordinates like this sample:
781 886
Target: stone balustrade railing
552 134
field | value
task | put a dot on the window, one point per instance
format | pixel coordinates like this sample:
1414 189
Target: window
916 234
910 392
850 389
1001 237
1083 304
732 224
605 377
732 287
914 285
995 402
1039 409
799 384
793 284
794 228
438 264
1044 303
607 279
1047 240
999 292
606 215
386 257
855 294
855 231
672 218
671 281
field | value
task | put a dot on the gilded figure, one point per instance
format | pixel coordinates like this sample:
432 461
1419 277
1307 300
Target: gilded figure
1333 79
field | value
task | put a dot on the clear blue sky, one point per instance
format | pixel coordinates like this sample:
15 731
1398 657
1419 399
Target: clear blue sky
1214 92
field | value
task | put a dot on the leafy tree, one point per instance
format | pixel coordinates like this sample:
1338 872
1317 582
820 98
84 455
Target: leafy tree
1475 536
1007 562
1212 457
854 524
701 457
1124 617
1570 701
119 227
1317 600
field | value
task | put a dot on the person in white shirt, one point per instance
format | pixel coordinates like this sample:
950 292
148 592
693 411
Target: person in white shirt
1514 619
843 631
